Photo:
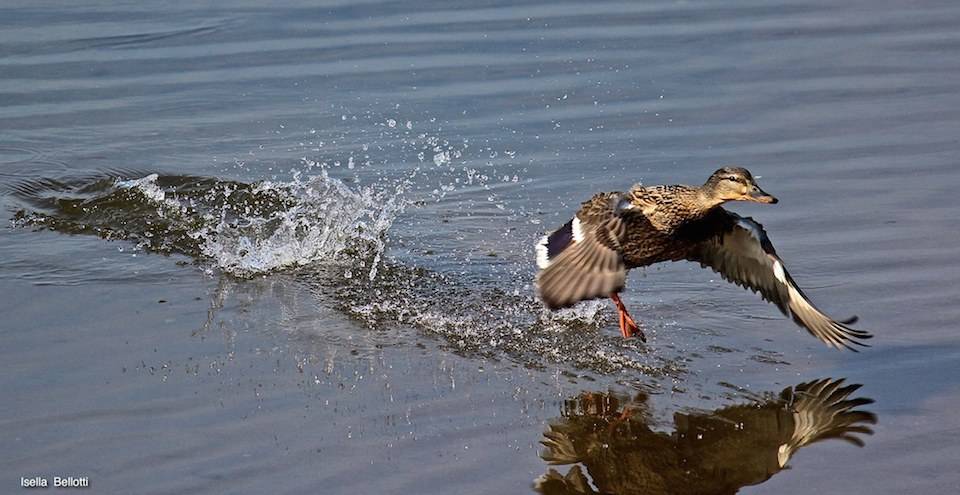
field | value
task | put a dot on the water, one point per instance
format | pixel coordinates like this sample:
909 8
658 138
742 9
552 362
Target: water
288 248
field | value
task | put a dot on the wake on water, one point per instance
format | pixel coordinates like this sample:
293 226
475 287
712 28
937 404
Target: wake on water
336 237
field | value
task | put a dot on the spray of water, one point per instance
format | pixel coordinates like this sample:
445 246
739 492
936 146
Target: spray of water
242 229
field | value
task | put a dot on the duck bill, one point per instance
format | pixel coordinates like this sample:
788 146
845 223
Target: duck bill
760 196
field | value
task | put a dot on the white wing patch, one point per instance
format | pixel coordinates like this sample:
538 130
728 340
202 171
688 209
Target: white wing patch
778 272
577 231
543 260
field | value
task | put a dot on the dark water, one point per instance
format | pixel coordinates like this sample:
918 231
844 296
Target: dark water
283 249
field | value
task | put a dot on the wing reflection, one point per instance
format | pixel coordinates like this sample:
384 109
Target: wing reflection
707 453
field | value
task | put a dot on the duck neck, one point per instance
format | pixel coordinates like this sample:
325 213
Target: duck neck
707 198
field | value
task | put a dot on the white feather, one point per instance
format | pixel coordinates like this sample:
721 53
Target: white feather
543 260
778 272
577 231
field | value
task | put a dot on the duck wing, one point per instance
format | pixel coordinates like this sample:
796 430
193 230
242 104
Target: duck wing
592 265
740 251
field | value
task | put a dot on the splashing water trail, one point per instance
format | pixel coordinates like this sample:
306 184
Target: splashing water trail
243 229
335 237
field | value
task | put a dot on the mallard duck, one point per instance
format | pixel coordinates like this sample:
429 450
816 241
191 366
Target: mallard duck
589 256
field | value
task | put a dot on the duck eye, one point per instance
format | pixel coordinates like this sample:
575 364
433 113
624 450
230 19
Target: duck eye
733 178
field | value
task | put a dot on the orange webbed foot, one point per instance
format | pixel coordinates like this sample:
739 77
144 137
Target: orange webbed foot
628 327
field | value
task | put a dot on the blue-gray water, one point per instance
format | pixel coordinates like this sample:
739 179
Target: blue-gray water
287 248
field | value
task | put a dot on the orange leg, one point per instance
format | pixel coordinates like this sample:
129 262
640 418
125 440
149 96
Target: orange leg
628 327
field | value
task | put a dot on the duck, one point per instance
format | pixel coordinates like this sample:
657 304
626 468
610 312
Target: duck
613 232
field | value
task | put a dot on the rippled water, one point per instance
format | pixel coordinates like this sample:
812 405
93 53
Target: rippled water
282 248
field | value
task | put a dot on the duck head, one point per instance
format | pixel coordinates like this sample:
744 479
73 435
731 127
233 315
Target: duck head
735 184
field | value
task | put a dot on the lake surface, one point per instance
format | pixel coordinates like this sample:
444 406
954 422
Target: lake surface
288 248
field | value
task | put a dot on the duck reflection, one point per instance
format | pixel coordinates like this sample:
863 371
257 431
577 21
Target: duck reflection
707 453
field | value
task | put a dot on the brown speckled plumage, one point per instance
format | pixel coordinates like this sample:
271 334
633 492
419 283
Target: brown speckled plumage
614 231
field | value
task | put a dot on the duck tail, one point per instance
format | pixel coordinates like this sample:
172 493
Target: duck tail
551 245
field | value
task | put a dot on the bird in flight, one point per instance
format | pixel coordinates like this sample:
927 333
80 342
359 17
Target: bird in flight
589 256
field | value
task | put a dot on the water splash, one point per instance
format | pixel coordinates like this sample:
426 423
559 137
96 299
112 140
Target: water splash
326 220
243 229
